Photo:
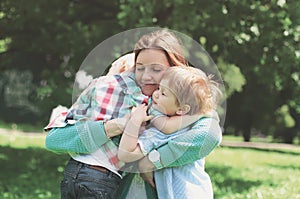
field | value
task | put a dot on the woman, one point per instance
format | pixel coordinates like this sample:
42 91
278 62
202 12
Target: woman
95 172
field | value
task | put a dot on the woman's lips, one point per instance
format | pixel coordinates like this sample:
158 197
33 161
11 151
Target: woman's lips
149 85
148 89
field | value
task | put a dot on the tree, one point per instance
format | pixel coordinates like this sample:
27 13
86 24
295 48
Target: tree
50 40
260 37
255 45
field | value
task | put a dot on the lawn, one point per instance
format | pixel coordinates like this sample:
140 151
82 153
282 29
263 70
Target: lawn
250 173
33 172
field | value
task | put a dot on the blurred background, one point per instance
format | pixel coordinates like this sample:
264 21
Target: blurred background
255 44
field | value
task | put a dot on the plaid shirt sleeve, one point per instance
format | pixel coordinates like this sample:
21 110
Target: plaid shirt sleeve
97 102
66 117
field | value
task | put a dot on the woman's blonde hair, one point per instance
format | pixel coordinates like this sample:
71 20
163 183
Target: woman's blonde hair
193 87
162 40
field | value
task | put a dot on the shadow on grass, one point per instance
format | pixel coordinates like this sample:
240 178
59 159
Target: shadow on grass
227 181
281 151
30 173
285 167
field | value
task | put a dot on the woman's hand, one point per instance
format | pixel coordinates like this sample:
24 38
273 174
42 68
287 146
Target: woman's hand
145 165
148 177
116 126
146 168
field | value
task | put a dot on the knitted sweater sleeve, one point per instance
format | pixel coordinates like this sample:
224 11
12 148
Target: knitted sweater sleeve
81 137
194 144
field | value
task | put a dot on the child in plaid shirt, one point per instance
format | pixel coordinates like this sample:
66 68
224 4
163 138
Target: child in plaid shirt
183 90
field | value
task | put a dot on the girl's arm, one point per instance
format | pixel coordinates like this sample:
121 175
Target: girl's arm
172 124
129 149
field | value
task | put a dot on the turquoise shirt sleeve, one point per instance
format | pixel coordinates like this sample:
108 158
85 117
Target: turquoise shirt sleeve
81 137
203 137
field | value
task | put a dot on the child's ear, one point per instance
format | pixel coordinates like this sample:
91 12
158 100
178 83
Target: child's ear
182 110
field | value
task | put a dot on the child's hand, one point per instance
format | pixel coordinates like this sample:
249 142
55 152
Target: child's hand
139 113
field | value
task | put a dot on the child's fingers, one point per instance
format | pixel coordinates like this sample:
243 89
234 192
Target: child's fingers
149 117
139 109
133 109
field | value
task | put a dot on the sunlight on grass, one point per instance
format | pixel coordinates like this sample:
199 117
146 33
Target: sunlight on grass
248 173
22 141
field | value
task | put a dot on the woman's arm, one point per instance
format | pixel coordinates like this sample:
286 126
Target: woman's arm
83 137
196 143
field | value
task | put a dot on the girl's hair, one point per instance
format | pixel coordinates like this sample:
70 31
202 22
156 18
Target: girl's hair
193 87
162 40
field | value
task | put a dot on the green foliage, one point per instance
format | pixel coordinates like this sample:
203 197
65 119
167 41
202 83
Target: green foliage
49 40
255 44
285 117
232 77
260 38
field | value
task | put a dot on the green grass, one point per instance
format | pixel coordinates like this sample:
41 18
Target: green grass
249 173
16 140
236 173
30 173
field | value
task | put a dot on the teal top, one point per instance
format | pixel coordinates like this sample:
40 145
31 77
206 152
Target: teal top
85 137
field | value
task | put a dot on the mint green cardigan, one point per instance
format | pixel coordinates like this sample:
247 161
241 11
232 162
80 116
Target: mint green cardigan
85 137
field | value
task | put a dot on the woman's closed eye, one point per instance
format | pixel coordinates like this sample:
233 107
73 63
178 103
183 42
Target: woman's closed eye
157 67
157 70
140 68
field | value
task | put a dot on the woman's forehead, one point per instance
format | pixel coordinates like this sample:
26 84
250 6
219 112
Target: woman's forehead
148 56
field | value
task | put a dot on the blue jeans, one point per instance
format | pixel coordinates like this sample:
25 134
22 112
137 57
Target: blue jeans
81 181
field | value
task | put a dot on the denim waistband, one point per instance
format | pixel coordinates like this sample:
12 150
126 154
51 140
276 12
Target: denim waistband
75 167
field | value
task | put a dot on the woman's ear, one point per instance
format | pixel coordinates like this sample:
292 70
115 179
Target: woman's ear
182 110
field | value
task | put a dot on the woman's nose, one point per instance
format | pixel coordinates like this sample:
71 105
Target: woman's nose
147 75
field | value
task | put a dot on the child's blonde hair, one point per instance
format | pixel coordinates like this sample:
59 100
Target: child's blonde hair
193 87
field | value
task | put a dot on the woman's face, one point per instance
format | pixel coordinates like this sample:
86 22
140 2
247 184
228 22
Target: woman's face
150 67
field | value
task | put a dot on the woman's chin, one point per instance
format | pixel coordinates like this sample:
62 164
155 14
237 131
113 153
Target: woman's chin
148 90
